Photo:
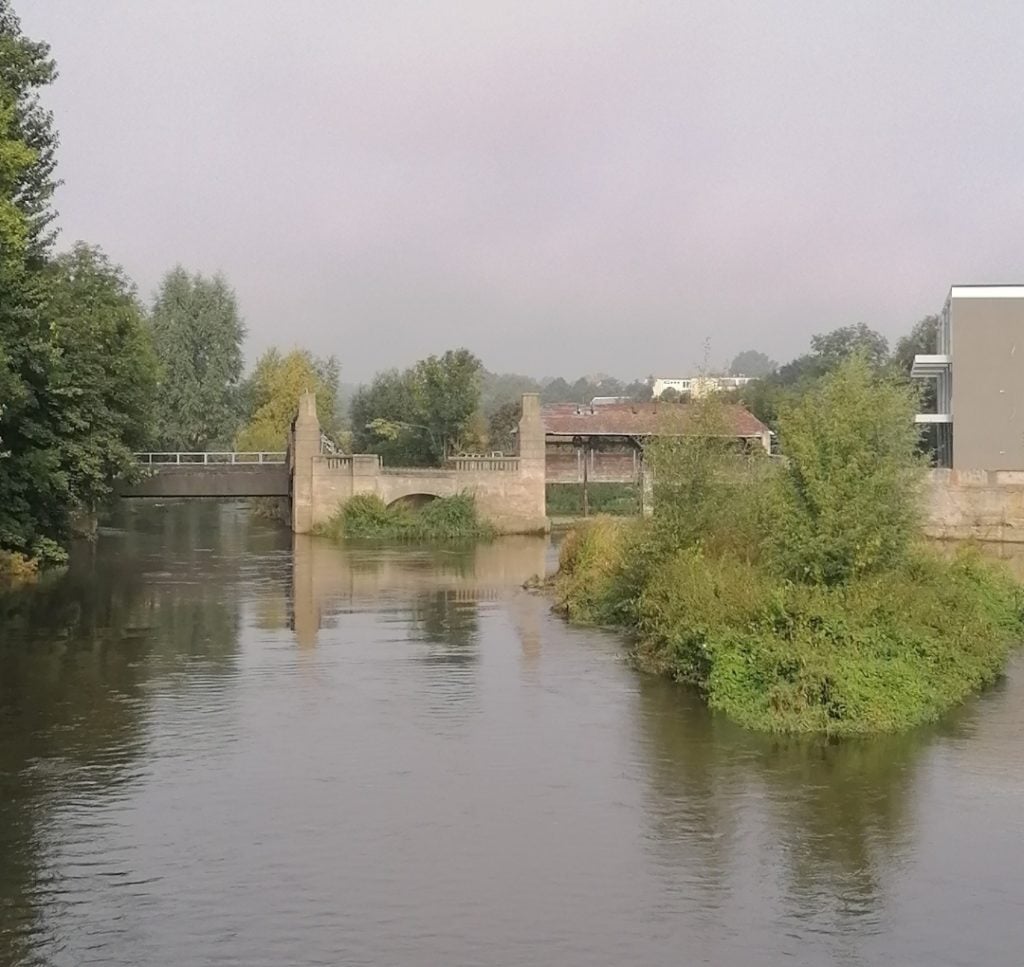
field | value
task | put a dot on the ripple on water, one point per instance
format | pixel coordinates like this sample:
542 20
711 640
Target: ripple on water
240 749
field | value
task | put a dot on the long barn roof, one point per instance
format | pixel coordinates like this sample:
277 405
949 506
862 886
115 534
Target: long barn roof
642 419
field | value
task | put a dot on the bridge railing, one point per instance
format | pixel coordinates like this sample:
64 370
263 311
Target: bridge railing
207 458
480 463
337 461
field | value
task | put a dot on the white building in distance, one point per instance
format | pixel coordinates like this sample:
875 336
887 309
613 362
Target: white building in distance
698 386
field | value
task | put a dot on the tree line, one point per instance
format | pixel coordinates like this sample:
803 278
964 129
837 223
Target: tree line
767 395
88 373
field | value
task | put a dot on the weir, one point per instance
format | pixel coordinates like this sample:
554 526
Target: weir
508 490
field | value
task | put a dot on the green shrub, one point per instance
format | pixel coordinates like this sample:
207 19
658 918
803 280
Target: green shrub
446 519
881 654
878 654
589 561
799 599
847 501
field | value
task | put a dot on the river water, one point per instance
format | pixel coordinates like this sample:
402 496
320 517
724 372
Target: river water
220 747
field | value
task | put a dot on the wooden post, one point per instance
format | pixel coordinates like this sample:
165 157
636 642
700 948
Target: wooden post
586 461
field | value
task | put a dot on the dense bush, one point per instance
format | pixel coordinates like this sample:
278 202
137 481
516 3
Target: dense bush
798 596
847 500
449 519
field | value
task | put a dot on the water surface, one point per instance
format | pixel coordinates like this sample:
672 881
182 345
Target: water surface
222 746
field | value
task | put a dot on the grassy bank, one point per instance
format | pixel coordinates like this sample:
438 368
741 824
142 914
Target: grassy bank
807 602
566 500
445 520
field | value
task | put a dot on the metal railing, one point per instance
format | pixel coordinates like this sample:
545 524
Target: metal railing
207 458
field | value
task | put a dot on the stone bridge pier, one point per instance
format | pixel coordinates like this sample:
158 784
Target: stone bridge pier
509 490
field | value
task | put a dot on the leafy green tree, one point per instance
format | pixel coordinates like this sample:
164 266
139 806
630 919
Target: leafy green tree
502 427
197 336
750 362
25 68
419 416
557 391
275 387
382 416
640 390
448 394
83 398
33 493
848 500
76 373
104 372
766 397
921 340
833 348
499 389
16 157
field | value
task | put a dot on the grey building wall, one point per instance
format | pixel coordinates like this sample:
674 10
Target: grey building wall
988 382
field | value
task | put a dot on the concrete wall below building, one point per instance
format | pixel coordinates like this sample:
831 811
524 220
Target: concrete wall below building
983 505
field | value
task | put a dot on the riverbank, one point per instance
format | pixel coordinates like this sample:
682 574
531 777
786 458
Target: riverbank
800 597
878 655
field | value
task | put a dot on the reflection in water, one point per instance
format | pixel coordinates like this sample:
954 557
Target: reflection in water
77 655
737 805
220 744
443 584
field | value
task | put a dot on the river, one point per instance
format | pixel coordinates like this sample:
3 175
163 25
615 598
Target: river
220 747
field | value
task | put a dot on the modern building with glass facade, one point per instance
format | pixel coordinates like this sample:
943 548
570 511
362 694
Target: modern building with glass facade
978 368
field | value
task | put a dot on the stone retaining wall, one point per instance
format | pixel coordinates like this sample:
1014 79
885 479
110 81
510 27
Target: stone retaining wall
984 505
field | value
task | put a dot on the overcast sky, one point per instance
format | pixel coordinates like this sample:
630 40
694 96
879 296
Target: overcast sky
563 187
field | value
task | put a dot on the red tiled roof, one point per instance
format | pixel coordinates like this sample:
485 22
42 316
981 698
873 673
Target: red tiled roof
641 419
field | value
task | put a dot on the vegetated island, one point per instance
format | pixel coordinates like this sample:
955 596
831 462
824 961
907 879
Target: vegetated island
799 595
365 517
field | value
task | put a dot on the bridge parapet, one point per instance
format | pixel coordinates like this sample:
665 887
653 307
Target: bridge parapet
422 473
214 457
475 463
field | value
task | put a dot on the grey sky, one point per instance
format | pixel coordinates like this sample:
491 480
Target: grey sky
563 187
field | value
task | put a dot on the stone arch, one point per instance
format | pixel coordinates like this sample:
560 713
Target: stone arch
413 501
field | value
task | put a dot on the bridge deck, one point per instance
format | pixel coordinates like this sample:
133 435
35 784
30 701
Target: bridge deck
210 475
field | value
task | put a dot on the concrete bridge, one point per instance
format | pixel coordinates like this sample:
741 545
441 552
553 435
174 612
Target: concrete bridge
205 474
509 491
